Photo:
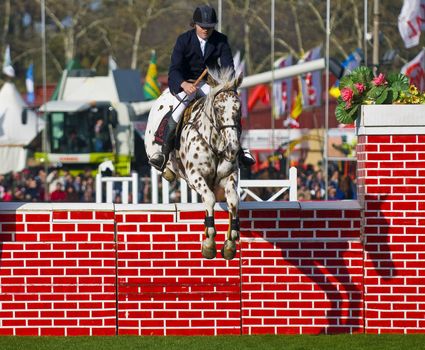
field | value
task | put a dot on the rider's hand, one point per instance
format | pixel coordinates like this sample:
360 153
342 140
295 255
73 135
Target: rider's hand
188 88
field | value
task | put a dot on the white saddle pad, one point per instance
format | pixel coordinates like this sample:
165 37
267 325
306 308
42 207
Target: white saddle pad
162 106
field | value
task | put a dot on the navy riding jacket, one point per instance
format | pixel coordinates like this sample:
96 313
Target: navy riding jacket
188 63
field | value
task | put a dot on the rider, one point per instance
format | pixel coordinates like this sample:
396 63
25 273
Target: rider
194 50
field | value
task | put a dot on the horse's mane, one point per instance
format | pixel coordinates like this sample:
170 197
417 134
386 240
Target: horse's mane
222 79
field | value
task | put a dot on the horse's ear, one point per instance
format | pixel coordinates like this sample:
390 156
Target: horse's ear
239 79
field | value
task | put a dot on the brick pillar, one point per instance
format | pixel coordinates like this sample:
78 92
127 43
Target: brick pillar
391 184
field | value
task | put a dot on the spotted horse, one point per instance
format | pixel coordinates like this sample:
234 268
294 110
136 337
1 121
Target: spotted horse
207 154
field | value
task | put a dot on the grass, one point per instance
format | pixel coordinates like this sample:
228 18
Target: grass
269 342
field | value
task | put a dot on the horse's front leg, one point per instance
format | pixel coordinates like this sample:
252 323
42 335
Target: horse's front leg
230 185
208 198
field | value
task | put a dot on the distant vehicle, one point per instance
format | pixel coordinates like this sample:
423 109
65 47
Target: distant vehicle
94 119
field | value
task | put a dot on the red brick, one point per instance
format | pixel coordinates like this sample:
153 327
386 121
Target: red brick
81 215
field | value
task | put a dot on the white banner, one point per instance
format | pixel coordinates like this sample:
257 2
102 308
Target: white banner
411 21
415 70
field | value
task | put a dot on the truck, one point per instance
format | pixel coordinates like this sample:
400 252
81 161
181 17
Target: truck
96 119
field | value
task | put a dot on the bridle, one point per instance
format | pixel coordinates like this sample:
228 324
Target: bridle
215 124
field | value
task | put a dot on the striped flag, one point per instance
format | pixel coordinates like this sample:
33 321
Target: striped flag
282 89
415 70
312 81
151 88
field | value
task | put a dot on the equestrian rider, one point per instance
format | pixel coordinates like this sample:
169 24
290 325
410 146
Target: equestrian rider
194 50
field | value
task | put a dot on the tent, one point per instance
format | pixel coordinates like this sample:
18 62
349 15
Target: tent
14 135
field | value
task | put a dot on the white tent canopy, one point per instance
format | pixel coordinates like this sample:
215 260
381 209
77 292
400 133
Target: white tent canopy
13 134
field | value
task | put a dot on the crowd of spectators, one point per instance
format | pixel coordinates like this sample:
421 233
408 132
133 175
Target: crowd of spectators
28 185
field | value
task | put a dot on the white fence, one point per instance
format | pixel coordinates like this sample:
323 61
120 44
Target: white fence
109 183
245 188
186 194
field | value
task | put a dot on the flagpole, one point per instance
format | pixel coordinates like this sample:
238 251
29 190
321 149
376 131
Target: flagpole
220 12
43 59
272 29
325 145
365 32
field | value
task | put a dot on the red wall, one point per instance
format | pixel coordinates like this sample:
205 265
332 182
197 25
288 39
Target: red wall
137 269
309 267
391 171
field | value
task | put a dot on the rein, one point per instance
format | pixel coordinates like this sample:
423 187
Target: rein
218 128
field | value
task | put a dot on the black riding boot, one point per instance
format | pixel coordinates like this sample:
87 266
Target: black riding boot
159 160
246 158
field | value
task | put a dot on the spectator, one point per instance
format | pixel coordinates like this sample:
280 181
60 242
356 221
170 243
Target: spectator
58 195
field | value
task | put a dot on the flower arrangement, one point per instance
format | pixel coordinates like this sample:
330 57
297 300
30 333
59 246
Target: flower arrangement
361 87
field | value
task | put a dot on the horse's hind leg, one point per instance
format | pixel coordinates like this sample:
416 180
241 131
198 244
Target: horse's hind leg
229 248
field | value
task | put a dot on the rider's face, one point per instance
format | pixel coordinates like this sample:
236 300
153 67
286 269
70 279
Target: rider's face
203 33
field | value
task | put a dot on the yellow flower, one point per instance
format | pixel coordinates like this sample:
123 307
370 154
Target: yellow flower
413 90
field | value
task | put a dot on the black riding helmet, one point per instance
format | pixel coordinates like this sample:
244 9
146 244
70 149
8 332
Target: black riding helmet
204 16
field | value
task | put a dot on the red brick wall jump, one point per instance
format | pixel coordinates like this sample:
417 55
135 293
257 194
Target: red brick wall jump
391 171
138 269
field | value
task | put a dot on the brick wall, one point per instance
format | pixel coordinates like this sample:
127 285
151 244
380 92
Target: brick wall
391 174
57 270
137 269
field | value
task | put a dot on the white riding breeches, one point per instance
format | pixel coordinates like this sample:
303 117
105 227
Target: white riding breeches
181 100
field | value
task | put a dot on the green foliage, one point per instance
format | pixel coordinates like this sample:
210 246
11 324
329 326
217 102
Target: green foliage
361 87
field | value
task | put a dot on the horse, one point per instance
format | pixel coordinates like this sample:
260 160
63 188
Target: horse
207 155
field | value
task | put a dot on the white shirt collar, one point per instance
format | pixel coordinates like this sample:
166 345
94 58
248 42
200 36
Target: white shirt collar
202 42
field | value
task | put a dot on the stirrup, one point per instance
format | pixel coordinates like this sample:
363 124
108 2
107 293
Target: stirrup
158 161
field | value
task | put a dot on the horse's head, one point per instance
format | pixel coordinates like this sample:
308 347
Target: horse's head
225 105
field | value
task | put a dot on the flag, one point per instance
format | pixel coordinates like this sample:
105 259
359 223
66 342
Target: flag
282 89
411 21
312 81
297 106
29 82
8 69
72 64
415 70
352 61
260 92
151 88
112 64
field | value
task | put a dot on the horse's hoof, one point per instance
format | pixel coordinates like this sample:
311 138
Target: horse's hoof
209 250
169 175
229 250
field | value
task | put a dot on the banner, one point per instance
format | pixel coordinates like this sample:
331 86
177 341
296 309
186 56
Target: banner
282 89
415 70
312 82
29 82
151 88
411 21
8 69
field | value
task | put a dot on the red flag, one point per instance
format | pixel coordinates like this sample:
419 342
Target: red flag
260 92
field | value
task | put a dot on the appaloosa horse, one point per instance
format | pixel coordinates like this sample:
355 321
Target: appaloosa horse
207 156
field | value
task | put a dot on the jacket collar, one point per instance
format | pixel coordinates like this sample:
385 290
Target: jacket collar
209 47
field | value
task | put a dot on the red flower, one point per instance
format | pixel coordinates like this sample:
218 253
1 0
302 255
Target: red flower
347 94
360 87
379 80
